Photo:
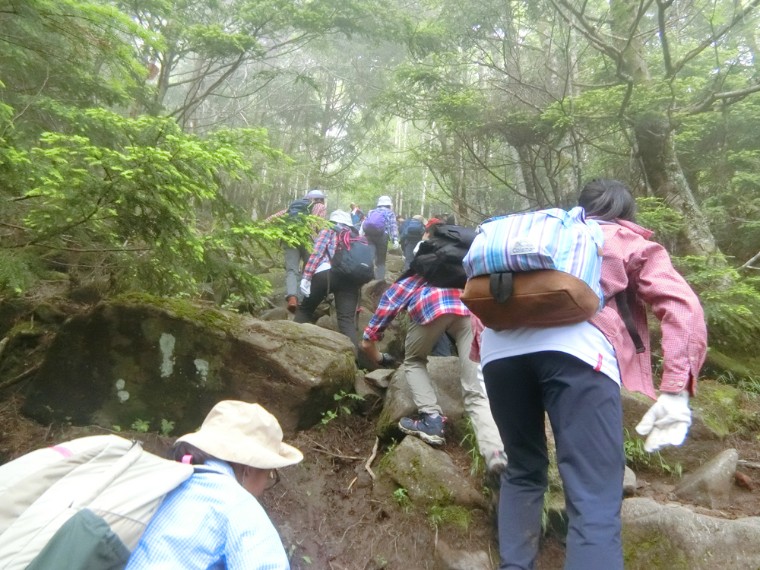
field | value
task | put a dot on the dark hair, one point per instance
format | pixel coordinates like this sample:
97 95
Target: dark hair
607 199
197 456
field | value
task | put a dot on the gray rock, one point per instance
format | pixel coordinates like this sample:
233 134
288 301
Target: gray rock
133 359
674 537
429 476
380 378
711 484
448 558
398 399
629 482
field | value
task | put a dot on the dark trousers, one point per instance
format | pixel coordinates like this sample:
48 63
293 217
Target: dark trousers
379 246
346 301
586 417
407 246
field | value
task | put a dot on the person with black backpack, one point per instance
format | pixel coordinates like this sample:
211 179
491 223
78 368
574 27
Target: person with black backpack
429 292
340 264
313 204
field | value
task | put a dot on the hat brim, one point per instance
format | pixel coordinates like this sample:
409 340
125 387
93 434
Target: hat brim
244 452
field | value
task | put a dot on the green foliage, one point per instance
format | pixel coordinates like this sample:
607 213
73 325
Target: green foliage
167 426
470 443
144 205
731 303
140 426
637 458
345 403
401 496
654 214
455 515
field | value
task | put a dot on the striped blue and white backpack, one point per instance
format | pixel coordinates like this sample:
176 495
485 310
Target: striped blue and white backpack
535 269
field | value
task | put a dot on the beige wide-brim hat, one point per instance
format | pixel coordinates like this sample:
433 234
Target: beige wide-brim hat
243 433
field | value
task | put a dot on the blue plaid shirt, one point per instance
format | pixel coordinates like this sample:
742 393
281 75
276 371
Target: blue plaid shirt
210 521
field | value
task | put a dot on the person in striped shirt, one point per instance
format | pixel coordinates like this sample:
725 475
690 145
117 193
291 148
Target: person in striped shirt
213 520
434 311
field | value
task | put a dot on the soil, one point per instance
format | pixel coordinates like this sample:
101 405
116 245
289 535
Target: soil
328 511
330 518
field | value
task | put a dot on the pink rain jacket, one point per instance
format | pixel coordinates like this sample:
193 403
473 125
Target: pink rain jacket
629 257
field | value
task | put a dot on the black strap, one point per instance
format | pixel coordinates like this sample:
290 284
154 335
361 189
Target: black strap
501 286
623 300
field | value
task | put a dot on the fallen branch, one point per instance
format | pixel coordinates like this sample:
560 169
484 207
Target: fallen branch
368 464
751 464
322 449
3 344
25 374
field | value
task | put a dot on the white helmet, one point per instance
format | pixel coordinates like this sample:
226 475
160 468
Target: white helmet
315 195
341 217
384 201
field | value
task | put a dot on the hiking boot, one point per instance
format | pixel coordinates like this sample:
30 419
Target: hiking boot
428 428
292 303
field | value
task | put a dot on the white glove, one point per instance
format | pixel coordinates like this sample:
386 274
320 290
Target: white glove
666 422
305 287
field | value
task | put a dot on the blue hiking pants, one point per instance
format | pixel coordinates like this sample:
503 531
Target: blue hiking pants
584 409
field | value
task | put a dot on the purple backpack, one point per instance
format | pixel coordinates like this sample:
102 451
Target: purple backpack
374 224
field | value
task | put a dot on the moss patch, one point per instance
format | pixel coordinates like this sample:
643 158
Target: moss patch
205 316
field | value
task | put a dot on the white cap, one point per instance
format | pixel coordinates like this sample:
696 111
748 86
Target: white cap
384 201
341 217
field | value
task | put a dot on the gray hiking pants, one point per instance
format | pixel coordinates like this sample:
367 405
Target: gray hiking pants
420 340
295 258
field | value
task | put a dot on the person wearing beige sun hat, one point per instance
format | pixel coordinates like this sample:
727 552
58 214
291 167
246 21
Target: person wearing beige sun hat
214 519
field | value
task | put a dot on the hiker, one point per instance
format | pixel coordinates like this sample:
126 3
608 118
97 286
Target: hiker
317 283
434 311
213 519
357 216
379 226
573 373
411 234
313 203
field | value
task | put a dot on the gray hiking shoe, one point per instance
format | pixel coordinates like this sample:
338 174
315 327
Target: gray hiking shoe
428 428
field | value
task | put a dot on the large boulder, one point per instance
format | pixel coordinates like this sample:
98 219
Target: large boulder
673 536
154 360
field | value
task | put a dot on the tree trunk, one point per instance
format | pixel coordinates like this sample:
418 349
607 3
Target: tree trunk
654 137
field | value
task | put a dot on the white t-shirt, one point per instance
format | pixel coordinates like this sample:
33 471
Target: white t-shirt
582 340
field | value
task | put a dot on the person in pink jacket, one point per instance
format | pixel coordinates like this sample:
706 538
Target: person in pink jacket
573 373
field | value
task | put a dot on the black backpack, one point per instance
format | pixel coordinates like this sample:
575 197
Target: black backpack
439 258
353 260
300 206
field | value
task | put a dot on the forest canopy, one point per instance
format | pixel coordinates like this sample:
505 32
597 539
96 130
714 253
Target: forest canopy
143 143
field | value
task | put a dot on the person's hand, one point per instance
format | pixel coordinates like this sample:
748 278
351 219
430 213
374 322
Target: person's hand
666 422
386 361
305 287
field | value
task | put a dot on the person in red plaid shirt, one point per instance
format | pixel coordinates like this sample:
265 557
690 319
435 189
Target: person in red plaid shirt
434 311
316 283
573 373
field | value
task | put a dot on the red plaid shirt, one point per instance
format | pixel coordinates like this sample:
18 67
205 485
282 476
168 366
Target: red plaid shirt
629 257
422 301
324 250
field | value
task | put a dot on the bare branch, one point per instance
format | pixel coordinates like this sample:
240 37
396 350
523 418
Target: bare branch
738 17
